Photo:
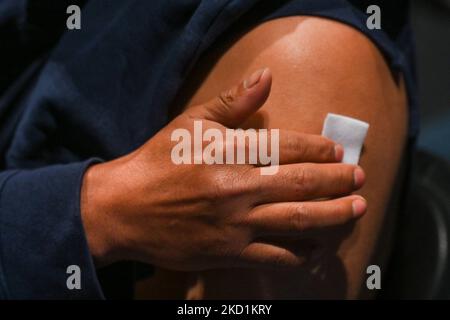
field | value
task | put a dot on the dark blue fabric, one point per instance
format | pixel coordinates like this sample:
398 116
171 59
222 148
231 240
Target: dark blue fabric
99 93
47 237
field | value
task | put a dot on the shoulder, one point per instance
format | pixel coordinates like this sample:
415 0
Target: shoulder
318 62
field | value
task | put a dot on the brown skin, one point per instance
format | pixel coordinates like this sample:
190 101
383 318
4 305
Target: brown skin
318 66
197 217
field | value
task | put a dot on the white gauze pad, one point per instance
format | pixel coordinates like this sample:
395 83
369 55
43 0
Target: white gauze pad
348 132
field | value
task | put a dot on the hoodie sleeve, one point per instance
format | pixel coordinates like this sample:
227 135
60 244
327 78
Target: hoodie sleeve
42 236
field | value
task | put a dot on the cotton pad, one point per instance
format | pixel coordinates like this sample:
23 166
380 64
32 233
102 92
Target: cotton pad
348 132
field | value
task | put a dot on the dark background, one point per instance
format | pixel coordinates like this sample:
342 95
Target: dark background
431 24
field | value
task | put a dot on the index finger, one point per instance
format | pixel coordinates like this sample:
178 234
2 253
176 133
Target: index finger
301 147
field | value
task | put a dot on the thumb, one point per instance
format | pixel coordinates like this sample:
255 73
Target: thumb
232 107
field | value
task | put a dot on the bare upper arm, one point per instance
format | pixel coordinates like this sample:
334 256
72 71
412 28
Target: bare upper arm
318 66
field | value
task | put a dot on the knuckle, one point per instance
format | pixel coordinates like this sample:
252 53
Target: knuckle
228 185
293 142
215 187
220 181
303 180
300 217
227 98
302 147
328 149
212 196
257 184
318 148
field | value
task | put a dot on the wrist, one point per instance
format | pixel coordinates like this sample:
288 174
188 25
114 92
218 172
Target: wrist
97 204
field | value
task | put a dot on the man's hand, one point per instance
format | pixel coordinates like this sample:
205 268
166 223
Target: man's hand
193 217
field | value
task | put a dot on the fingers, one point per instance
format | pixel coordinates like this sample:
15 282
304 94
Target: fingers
299 147
299 182
234 106
294 218
266 255
256 147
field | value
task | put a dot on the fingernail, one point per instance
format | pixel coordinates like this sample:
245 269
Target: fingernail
254 78
359 207
358 177
338 152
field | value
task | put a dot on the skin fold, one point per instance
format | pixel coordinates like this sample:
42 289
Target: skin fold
318 66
